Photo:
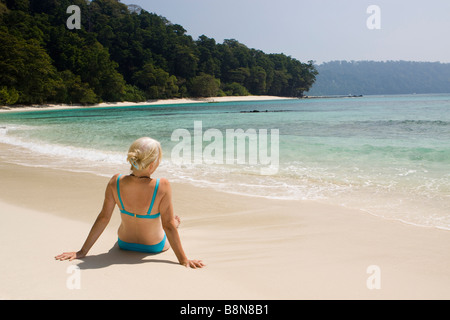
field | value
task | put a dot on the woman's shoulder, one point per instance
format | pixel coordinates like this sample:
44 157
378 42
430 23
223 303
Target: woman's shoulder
164 184
113 179
163 181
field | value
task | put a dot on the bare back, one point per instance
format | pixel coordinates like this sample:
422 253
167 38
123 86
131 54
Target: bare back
134 195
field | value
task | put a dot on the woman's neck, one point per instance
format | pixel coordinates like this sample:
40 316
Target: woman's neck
140 174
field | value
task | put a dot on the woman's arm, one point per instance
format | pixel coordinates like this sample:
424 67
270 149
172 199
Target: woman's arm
97 229
170 227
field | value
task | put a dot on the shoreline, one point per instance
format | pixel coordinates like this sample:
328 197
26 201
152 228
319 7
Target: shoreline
146 103
253 248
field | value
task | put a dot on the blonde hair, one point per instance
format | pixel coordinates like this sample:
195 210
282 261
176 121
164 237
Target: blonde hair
143 152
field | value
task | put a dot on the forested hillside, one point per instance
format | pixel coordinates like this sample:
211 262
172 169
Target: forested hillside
124 53
390 77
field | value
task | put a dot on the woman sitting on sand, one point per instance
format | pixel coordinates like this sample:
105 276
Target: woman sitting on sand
145 205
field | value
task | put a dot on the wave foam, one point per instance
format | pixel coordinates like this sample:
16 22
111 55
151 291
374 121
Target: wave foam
55 150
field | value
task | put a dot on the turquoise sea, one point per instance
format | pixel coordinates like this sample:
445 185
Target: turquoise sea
386 155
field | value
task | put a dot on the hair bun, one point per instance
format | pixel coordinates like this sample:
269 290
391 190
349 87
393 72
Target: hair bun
143 152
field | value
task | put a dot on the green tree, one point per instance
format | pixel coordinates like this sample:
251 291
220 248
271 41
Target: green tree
171 89
204 85
279 83
239 75
257 81
133 94
184 62
235 89
155 82
22 5
75 91
208 55
121 54
8 96
25 66
100 72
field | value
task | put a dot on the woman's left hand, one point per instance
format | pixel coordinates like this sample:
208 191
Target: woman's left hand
70 256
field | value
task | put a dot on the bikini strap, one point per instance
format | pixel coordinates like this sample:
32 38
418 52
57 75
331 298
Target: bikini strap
154 196
118 192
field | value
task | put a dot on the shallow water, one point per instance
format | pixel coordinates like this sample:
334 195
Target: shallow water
387 155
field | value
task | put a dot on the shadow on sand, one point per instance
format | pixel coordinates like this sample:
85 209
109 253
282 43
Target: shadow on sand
117 256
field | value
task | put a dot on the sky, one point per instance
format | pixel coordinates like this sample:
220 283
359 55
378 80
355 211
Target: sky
319 30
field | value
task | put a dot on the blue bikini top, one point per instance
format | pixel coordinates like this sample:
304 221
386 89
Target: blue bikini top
144 216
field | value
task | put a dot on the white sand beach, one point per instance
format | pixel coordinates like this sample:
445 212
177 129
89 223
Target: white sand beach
254 248
146 103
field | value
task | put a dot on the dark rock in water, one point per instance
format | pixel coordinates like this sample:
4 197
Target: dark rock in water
251 111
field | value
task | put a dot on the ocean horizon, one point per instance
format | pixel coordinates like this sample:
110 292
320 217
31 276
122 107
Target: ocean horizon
385 155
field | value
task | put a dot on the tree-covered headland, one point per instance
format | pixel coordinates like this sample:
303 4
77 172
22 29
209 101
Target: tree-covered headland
381 77
124 53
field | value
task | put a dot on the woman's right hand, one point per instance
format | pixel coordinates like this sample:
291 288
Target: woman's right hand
194 264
